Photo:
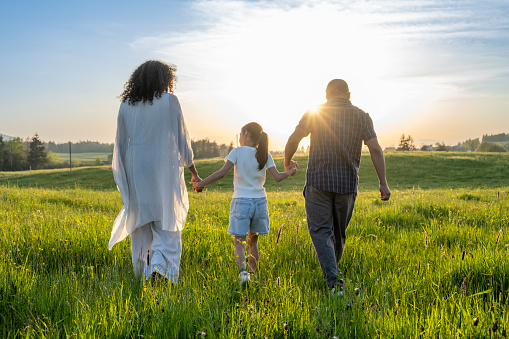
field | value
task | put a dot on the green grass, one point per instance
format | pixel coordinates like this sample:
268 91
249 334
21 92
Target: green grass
404 170
87 157
94 178
422 265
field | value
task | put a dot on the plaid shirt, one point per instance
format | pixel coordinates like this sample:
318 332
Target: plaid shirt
337 130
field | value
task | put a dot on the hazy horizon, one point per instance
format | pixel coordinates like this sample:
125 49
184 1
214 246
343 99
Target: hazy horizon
432 69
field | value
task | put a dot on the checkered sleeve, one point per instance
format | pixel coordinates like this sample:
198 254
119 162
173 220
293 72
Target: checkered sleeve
306 122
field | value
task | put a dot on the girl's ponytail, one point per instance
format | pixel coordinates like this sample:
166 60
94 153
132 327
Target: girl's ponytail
262 153
257 134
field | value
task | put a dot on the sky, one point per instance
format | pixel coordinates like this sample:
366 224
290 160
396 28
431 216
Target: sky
435 69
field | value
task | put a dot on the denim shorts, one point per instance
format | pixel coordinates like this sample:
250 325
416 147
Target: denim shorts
249 214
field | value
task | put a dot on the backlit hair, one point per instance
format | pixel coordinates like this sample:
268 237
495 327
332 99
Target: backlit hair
261 138
149 81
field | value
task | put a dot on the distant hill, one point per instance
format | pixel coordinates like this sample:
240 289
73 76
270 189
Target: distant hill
405 170
79 147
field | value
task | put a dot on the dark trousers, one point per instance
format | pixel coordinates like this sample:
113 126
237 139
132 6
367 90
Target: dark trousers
328 215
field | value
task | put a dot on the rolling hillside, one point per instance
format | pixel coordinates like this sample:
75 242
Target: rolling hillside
404 170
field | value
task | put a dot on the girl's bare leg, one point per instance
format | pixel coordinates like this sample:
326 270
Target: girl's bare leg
252 243
239 250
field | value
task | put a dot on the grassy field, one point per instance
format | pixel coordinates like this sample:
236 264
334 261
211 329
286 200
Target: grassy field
87 157
431 262
404 170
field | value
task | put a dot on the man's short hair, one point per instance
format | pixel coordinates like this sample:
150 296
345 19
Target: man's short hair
337 86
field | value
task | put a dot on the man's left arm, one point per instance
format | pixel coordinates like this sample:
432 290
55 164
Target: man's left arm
377 157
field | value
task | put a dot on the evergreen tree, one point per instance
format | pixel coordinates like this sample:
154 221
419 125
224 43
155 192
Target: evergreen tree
406 143
36 154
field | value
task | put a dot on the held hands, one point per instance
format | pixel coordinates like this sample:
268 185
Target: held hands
385 193
194 181
292 167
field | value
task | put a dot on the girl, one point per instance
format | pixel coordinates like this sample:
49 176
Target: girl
249 215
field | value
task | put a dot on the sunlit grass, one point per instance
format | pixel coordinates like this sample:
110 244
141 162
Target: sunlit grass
426 263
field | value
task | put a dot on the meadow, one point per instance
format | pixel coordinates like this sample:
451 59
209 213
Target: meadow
431 262
85 157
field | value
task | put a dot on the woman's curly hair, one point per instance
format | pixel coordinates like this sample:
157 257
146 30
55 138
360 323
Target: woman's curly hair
149 81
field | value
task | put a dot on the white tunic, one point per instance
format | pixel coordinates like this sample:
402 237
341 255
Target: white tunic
152 148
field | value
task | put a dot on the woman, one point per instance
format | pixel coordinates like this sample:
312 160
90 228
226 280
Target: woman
152 147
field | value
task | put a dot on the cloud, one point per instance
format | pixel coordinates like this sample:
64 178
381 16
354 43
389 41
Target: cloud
270 61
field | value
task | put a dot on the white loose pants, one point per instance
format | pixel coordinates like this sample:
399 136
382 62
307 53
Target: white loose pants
155 250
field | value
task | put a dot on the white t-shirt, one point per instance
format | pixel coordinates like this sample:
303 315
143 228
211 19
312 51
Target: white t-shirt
247 179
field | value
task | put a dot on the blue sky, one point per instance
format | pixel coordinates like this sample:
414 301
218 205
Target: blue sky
438 70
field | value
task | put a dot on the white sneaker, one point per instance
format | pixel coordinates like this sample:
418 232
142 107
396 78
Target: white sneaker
336 291
244 278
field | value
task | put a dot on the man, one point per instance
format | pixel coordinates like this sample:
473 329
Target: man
337 131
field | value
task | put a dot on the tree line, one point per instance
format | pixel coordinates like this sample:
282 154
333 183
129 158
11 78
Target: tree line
204 148
488 143
79 147
17 154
